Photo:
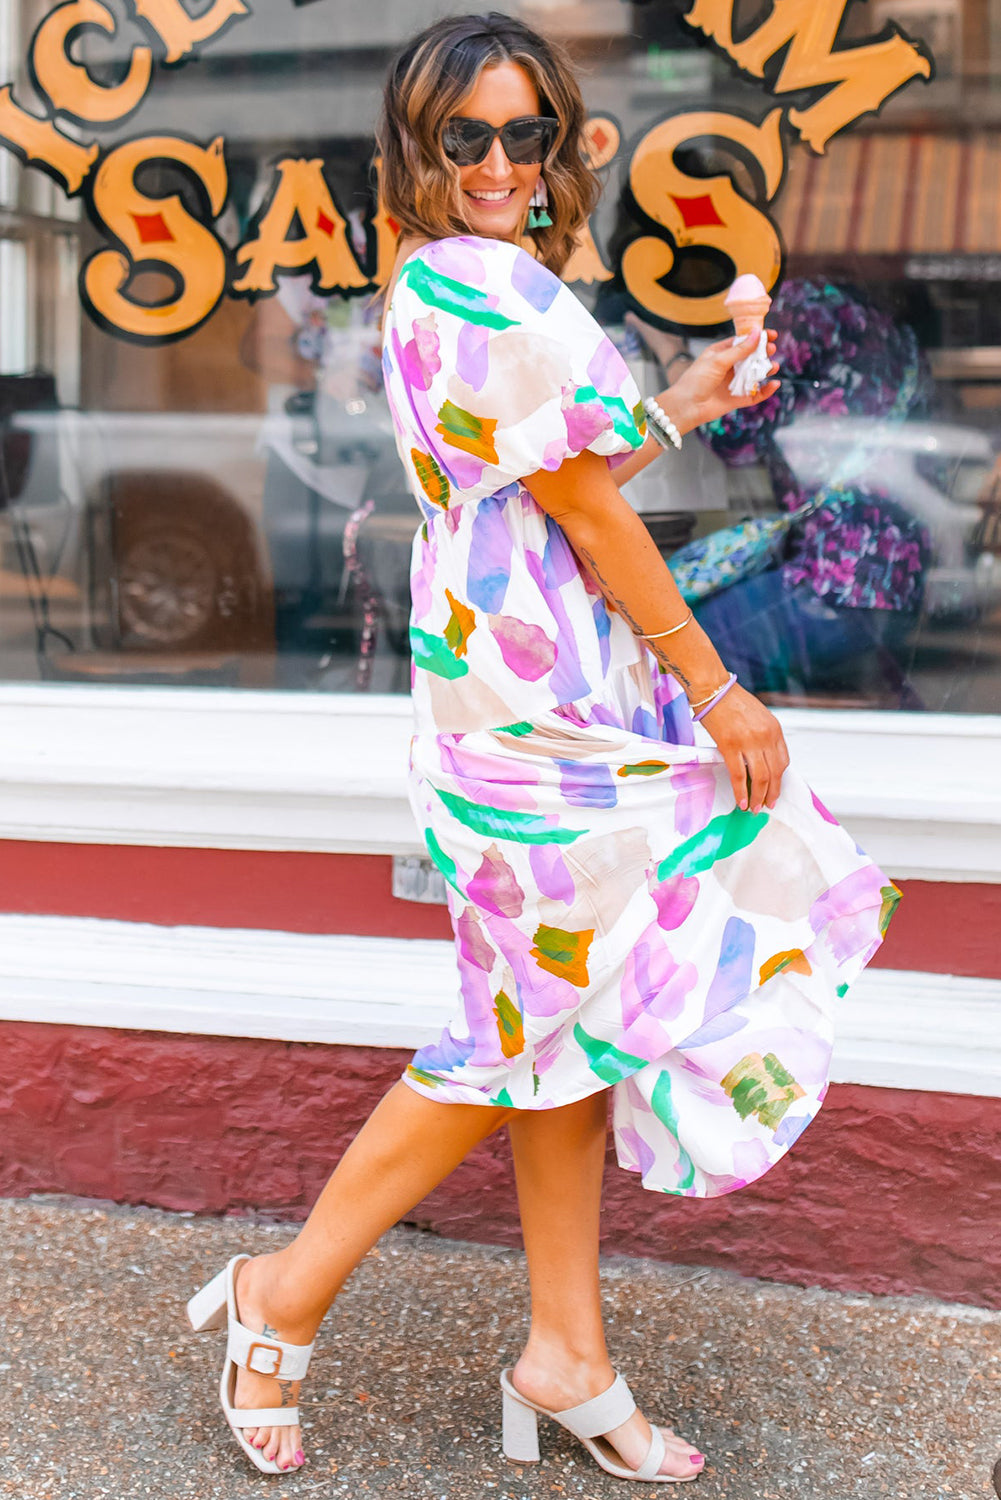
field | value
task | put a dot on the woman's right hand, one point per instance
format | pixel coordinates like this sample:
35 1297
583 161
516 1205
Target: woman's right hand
702 394
753 747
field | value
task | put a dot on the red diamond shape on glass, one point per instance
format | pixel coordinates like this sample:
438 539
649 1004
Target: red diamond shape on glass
324 225
394 227
599 137
696 213
152 229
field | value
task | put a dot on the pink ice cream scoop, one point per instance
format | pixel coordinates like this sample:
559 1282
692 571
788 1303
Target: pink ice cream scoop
747 303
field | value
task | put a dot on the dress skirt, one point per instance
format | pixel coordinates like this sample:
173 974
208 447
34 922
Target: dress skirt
621 924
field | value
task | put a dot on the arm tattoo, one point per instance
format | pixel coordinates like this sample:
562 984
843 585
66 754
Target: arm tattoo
633 624
673 668
608 591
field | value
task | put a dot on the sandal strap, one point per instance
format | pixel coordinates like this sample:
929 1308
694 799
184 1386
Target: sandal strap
650 1467
266 1356
265 1416
599 1415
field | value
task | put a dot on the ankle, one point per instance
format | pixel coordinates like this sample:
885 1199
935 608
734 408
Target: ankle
270 1284
567 1345
567 1360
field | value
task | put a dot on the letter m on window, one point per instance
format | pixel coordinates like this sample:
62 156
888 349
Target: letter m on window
858 77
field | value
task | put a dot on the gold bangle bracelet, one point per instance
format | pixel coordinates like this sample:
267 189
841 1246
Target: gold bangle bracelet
659 635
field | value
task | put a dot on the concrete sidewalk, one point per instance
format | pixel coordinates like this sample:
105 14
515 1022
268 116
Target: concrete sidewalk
105 1391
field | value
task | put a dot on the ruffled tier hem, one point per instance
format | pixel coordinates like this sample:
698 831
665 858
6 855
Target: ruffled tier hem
621 924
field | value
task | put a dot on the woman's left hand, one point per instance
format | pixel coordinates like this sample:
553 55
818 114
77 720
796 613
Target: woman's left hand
702 393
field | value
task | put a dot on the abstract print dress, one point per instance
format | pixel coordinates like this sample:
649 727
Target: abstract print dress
619 922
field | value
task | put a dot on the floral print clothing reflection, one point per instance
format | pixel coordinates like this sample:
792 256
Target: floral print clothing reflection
619 922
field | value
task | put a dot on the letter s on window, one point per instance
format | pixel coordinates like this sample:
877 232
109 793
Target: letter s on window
701 211
156 234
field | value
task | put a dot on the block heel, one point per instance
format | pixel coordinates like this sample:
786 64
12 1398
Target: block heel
520 1431
207 1308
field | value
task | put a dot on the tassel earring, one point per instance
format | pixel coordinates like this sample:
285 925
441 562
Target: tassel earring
538 217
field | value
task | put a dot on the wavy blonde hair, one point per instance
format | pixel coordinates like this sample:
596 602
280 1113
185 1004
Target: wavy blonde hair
429 80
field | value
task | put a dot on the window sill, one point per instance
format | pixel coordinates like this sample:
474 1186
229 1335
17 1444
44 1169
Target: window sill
249 770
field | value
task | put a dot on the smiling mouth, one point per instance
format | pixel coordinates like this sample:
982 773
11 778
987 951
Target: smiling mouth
489 197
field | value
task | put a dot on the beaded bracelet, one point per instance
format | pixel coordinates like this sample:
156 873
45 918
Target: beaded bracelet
659 634
711 702
662 429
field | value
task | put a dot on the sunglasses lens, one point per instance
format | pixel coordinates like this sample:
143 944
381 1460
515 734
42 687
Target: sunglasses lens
466 142
527 140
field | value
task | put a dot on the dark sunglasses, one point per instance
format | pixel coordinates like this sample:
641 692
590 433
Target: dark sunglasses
528 139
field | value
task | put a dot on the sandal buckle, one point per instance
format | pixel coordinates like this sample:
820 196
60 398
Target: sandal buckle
268 1349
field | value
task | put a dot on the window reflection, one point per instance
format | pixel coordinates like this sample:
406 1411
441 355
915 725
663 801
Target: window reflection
228 509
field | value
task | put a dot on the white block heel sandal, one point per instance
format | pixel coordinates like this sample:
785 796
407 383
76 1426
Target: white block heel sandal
215 1307
587 1422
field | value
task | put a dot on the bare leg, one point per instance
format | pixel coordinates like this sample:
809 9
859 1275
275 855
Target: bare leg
559 1158
405 1148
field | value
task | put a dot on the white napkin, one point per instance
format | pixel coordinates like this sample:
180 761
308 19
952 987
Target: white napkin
753 371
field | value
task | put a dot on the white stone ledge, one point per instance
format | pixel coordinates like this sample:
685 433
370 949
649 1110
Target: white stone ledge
897 1029
253 770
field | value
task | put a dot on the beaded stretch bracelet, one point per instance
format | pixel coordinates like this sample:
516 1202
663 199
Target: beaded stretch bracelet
662 429
659 634
706 705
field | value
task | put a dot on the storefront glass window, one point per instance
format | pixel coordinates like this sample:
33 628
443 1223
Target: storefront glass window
198 481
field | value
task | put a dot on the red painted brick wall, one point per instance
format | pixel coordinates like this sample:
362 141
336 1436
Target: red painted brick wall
887 1191
277 891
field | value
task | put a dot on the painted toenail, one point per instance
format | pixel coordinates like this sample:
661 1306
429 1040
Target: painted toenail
697 1458
300 1457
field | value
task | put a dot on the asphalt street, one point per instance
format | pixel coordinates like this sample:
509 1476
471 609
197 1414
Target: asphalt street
106 1394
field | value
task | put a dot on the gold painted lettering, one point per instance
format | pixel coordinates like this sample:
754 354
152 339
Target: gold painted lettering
859 78
39 144
157 233
387 233
602 139
67 85
301 192
699 211
181 32
585 263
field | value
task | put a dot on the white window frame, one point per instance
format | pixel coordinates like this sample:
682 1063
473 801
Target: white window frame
200 768
16 332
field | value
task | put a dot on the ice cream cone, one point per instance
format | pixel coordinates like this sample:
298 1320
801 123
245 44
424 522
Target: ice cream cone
747 303
749 317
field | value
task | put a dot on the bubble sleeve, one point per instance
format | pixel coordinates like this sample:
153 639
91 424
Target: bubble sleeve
506 372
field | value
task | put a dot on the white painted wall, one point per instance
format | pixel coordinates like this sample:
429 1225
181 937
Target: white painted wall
896 1030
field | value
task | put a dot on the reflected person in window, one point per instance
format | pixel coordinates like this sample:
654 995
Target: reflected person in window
639 916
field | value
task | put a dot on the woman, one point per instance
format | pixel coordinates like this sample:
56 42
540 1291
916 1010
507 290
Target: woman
631 911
